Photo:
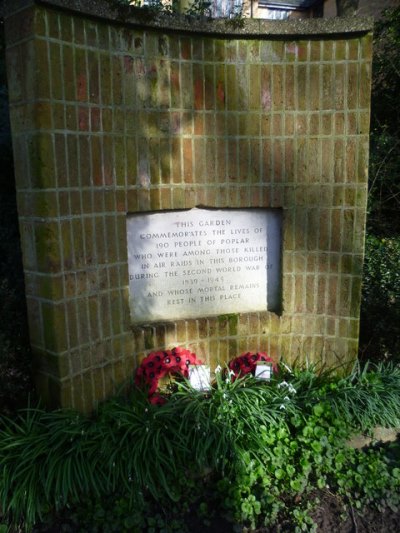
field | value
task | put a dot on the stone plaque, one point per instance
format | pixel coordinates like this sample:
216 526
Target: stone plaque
202 262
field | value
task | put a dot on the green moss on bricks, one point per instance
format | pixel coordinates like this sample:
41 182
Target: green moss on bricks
47 247
232 320
148 338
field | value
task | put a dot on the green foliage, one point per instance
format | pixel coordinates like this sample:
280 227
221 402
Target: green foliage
380 310
384 186
311 453
134 466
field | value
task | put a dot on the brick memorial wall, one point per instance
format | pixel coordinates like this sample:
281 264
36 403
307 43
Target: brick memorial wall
113 118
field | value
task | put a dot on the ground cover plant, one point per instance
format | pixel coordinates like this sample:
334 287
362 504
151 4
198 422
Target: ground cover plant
254 452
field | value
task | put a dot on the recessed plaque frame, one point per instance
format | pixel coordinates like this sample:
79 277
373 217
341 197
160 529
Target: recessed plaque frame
203 262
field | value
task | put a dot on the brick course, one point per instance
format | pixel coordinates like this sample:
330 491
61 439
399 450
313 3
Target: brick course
110 119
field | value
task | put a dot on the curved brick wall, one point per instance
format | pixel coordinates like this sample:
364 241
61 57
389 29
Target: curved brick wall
112 117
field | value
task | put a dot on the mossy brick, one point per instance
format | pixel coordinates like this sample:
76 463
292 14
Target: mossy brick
93 77
91 33
162 93
54 327
327 86
166 198
83 321
97 375
138 339
122 238
57 114
81 75
75 202
327 120
119 120
117 73
41 83
362 160
365 85
68 73
90 250
198 124
84 119
86 201
84 399
344 296
110 241
107 162
340 86
243 88
47 244
56 71
96 160
301 87
117 173
254 51
315 50
174 85
109 201
198 86
78 242
299 291
93 307
314 87
154 160
73 160
105 77
339 162
352 85
41 161
64 26
44 204
353 49
351 158
340 50
267 53
66 244
327 50
363 122
71 122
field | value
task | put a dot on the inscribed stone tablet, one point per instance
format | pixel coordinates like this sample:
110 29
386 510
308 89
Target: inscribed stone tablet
202 262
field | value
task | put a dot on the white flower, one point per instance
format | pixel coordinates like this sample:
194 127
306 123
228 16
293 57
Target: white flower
287 368
292 390
283 384
231 373
282 406
218 369
286 399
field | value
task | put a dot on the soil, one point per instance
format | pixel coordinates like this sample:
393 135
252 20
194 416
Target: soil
330 516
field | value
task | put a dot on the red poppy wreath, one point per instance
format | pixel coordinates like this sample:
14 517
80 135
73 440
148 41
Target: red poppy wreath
246 363
159 364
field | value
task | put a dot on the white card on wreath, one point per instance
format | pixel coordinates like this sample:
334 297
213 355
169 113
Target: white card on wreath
199 377
263 370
